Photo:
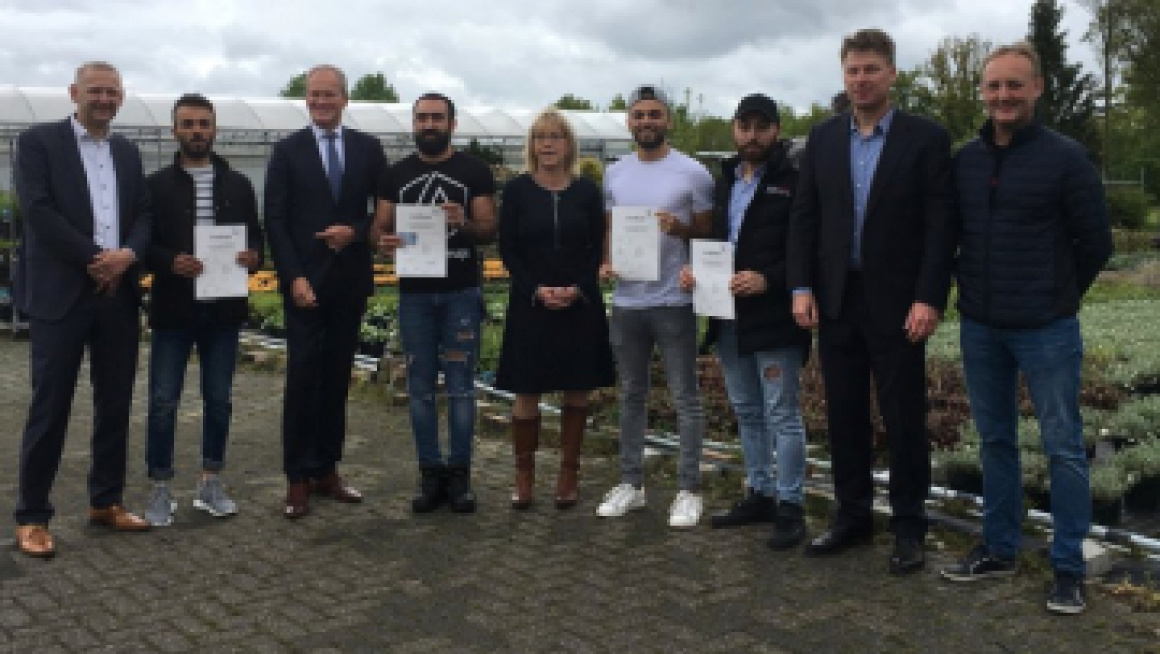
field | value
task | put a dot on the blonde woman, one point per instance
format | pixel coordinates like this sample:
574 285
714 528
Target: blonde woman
556 336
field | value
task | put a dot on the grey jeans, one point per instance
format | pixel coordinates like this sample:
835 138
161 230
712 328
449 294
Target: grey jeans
674 330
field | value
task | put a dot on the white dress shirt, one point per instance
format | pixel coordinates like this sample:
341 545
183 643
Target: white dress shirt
102 180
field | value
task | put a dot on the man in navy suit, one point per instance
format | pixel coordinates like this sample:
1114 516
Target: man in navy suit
86 223
319 186
871 245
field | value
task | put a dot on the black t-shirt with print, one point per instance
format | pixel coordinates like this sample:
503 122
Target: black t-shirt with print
457 179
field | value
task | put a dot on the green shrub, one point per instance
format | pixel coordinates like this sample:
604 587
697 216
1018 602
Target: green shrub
1108 481
1129 206
1137 419
965 459
1128 241
1142 459
1035 475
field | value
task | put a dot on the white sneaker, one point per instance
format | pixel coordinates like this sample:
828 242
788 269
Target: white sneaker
686 510
620 500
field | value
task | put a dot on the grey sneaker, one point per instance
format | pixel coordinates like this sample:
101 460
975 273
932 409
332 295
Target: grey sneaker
211 498
159 510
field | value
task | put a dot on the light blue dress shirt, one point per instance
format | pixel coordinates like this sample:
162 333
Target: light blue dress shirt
739 198
864 154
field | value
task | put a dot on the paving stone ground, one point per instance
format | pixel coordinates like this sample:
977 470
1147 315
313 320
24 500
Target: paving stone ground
374 578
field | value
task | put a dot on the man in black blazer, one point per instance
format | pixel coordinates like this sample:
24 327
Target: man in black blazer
872 239
319 186
86 222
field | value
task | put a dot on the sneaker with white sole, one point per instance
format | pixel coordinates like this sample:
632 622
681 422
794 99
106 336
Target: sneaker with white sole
211 497
620 500
686 509
159 510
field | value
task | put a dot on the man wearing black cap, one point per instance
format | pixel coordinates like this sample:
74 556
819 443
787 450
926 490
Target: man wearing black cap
763 349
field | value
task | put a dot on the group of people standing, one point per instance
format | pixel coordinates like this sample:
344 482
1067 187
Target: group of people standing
858 239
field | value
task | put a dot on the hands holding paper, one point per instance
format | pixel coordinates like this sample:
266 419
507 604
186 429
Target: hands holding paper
189 266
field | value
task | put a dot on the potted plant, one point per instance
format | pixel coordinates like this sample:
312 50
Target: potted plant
1108 483
378 314
372 339
1141 463
275 324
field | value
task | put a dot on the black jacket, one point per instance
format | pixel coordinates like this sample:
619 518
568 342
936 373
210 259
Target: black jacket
1034 228
172 304
909 236
764 322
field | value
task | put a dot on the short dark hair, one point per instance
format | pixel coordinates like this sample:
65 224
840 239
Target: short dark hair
869 40
432 95
192 100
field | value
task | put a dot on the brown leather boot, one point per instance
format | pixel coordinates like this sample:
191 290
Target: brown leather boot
572 422
525 440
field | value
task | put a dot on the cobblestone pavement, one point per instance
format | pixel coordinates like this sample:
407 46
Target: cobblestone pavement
374 578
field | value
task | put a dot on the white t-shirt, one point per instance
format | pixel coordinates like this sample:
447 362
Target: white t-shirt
677 184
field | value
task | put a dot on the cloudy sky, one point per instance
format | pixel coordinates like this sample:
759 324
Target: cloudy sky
501 53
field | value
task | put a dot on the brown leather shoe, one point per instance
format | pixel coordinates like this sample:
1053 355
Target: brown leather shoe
335 487
297 500
35 541
118 518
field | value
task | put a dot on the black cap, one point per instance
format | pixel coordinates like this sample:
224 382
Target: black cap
757 104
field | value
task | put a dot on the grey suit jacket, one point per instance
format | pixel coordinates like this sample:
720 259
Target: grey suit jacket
57 217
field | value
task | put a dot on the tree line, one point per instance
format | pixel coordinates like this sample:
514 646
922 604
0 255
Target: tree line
1110 111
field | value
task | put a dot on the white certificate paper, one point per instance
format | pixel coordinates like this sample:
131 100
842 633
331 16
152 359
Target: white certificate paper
712 263
423 228
636 244
217 247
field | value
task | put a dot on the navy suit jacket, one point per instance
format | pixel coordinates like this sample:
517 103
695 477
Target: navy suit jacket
57 215
299 204
910 233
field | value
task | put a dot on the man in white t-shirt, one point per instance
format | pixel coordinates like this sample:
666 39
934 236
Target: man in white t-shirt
646 313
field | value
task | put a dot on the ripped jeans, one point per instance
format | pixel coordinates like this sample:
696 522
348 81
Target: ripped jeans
440 332
763 389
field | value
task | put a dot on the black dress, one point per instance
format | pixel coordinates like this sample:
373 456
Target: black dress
553 238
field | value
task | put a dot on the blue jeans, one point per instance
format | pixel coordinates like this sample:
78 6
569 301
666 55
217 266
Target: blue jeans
440 332
763 389
217 350
1050 358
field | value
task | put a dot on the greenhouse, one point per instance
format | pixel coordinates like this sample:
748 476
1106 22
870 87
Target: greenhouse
247 127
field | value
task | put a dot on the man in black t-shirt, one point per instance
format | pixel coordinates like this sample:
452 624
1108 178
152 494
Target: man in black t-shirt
439 317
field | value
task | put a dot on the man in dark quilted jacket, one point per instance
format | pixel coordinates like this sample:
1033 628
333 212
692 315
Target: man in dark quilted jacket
1034 236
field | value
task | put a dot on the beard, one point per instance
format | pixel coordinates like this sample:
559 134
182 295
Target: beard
650 139
753 153
432 142
198 149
